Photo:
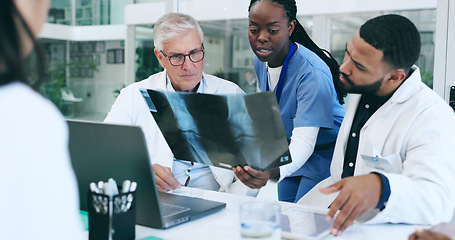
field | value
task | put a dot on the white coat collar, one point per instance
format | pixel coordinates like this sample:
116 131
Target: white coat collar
405 91
402 94
165 84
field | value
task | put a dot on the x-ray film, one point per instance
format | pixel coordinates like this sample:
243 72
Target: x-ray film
221 130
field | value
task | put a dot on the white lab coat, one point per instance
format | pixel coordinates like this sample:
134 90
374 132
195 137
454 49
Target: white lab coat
414 133
40 199
130 109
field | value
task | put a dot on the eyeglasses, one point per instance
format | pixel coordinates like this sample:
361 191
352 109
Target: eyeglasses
178 59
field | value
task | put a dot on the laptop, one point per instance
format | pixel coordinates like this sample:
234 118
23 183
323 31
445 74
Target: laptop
101 151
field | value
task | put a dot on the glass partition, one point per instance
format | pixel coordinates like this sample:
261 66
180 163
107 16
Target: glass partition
228 51
148 1
94 71
60 12
146 62
83 78
87 12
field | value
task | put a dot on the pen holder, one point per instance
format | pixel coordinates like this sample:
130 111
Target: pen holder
112 218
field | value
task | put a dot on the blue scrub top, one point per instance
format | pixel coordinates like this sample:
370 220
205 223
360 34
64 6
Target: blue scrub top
308 99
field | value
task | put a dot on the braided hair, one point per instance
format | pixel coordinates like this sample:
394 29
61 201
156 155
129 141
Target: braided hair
299 35
396 36
12 62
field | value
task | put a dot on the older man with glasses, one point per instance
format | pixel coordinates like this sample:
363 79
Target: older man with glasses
179 47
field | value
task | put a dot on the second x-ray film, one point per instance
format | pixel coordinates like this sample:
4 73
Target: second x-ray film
221 130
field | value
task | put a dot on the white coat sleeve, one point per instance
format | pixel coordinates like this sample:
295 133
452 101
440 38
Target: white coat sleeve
302 144
424 193
130 109
40 197
122 110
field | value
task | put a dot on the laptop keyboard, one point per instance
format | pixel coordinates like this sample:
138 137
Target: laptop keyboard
171 210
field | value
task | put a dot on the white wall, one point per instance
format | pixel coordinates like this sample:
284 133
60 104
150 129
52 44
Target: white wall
445 52
117 11
311 7
83 33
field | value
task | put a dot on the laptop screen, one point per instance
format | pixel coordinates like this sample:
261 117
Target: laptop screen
101 151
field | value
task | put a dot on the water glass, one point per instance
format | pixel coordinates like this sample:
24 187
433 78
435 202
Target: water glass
260 220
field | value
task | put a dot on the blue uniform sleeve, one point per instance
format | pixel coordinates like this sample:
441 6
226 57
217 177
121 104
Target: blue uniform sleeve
385 194
314 101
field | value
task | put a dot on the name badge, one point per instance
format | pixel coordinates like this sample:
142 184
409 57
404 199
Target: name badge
377 163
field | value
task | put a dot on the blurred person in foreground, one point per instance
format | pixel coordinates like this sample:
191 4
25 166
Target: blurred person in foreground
40 195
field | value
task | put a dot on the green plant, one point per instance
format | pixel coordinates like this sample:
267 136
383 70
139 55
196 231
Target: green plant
56 79
219 73
146 63
427 78
117 91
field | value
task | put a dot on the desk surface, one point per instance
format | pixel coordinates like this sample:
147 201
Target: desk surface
225 224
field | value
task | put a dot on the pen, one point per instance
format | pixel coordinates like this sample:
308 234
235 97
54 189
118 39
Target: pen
113 186
133 186
126 186
101 186
94 187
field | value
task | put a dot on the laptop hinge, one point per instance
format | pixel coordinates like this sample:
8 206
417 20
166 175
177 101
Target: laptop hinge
452 97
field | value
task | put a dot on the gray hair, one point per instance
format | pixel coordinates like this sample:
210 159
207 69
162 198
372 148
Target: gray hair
173 25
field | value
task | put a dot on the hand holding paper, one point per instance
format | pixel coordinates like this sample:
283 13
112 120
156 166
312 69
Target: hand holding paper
221 130
165 180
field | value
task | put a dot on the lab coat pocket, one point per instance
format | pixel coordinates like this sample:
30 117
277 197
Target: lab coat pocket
389 164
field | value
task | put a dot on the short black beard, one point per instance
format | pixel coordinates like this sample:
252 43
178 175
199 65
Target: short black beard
370 89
